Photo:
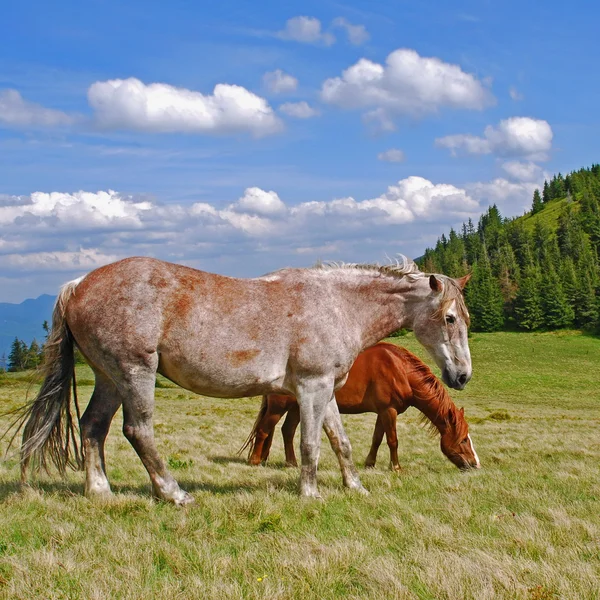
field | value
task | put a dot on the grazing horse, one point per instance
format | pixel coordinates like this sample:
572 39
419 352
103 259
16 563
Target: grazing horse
386 380
295 331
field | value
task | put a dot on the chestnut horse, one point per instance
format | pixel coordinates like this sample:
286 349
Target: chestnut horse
296 331
385 379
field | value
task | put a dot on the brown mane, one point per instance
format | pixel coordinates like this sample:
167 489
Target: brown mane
429 392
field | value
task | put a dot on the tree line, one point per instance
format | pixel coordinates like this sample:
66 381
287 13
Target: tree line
23 357
535 272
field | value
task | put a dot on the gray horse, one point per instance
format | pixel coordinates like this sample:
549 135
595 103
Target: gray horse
296 331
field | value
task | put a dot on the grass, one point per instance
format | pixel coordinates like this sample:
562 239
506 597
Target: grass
526 526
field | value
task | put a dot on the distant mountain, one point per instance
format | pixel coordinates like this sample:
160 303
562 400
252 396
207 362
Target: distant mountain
24 321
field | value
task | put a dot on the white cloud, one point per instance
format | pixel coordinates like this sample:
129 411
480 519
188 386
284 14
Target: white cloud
408 84
60 232
357 34
299 110
279 82
260 202
15 111
159 107
378 121
392 155
82 209
523 171
306 30
84 258
516 136
512 198
515 94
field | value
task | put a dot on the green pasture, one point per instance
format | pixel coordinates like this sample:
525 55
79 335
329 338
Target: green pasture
526 526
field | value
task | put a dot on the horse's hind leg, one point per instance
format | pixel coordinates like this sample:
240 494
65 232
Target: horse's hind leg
377 439
138 409
388 419
264 436
95 424
288 430
341 446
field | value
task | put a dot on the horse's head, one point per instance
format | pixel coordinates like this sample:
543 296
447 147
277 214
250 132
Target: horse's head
442 328
456 443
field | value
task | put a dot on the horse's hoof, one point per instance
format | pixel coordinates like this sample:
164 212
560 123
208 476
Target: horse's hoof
369 465
311 495
289 463
396 469
185 500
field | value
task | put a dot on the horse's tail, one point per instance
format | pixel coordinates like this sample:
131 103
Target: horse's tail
48 425
249 443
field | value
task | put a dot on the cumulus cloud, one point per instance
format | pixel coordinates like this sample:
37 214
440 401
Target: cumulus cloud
357 34
408 84
512 198
306 30
516 136
392 155
83 209
258 201
279 82
159 107
63 232
18 112
523 171
299 110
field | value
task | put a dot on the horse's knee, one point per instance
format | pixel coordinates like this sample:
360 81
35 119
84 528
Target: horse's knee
133 433
309 449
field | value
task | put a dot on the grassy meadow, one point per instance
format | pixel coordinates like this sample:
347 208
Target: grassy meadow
527 525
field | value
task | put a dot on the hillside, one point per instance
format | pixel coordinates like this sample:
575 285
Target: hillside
24 321
538 271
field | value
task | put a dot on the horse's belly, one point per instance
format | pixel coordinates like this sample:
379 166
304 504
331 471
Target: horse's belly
223 380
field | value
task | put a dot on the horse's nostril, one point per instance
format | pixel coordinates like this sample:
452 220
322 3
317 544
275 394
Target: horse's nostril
462 379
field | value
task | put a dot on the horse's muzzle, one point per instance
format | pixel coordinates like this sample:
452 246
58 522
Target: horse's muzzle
457 382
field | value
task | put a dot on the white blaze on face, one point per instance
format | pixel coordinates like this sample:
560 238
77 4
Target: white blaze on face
477 463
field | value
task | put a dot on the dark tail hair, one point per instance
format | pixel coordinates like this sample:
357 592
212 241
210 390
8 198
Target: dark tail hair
249 443
49 429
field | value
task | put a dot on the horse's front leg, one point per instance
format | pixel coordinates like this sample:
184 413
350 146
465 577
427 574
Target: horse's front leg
341 446
313 395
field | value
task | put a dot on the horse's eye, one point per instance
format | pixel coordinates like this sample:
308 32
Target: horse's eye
450 319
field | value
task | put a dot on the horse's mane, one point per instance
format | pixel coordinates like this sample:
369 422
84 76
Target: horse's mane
428 389
398 268
404 267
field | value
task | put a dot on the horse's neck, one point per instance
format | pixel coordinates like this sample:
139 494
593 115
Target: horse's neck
382 306
435 407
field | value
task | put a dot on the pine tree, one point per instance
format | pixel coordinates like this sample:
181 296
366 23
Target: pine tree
546 193
528 309
484 297
537 203
34 355
555 306
17 357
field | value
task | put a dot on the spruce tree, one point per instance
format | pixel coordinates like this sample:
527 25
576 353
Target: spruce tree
528 309
17 357
557 312
484 297
546 193
537 202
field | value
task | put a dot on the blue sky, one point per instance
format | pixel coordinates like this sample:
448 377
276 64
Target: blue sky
337 131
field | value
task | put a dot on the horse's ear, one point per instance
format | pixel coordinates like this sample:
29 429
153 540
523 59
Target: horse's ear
463 281
462 411
435 284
